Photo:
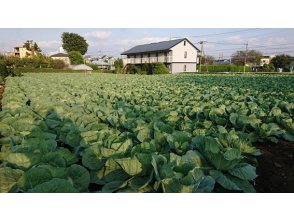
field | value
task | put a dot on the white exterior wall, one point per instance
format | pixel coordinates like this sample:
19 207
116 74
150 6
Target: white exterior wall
179 67
179 50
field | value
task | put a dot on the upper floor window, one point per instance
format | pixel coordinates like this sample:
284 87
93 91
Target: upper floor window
184 43
185 54
185 67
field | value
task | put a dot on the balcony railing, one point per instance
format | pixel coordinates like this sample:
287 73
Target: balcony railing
163 59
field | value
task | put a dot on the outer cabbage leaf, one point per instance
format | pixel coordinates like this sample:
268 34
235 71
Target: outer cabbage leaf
8 179
55 185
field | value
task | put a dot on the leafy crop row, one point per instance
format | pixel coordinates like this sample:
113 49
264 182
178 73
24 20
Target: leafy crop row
121 133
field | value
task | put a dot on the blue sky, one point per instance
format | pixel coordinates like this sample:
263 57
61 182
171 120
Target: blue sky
221 42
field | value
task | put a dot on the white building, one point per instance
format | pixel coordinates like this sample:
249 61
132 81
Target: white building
60 50
178 55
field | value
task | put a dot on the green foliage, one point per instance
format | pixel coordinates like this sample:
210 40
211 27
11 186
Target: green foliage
59 64
75 57
268 67
118 66
74 42
159 68
93 66
50 70
281 61
3 69
224 68
193 134
30 47
252 56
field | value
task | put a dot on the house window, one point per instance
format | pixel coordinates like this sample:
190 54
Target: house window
184 43
184 67
185 54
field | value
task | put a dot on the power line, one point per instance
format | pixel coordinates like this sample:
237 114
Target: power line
231 32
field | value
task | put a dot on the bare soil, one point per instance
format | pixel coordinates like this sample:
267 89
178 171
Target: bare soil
275 168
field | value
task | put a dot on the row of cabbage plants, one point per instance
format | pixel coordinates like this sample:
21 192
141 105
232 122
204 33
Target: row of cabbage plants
120 133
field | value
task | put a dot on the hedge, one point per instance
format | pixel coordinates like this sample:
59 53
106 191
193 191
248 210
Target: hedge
44 70
224 68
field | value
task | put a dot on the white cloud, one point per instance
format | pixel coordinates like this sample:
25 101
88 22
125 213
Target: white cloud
234 39
97 44
102 35
252 40
54 44
274 40
146 40
144 32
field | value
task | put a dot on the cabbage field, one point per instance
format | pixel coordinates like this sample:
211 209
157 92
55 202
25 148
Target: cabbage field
183 133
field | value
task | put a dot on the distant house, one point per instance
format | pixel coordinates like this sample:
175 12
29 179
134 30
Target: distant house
178 55
61 56
60 50
21 52
9 54
101 64
88 59
266 60
222 62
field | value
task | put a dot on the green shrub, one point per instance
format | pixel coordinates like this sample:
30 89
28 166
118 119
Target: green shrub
224 68
132 69
142 73
75 57
93 66
3 69
160 68
44 70
59 64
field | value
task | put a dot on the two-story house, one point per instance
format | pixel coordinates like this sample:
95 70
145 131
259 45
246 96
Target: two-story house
21 52
178 55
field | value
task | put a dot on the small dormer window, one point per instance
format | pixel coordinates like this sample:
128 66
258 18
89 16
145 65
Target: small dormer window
184 43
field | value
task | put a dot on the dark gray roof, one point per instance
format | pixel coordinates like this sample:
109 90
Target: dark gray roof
160 46
103 56
60 55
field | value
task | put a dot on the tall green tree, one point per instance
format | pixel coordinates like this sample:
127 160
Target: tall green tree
32 47
119 65
75 57
282 61
74 42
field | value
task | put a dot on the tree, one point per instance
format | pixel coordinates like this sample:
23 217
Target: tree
74 42
268 67
208 60
281 61
59 64
119 66
28 45
75 57
160 68
252 56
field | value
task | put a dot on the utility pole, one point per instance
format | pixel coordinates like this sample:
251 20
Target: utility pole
202 52
3 48
98 54
245 55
